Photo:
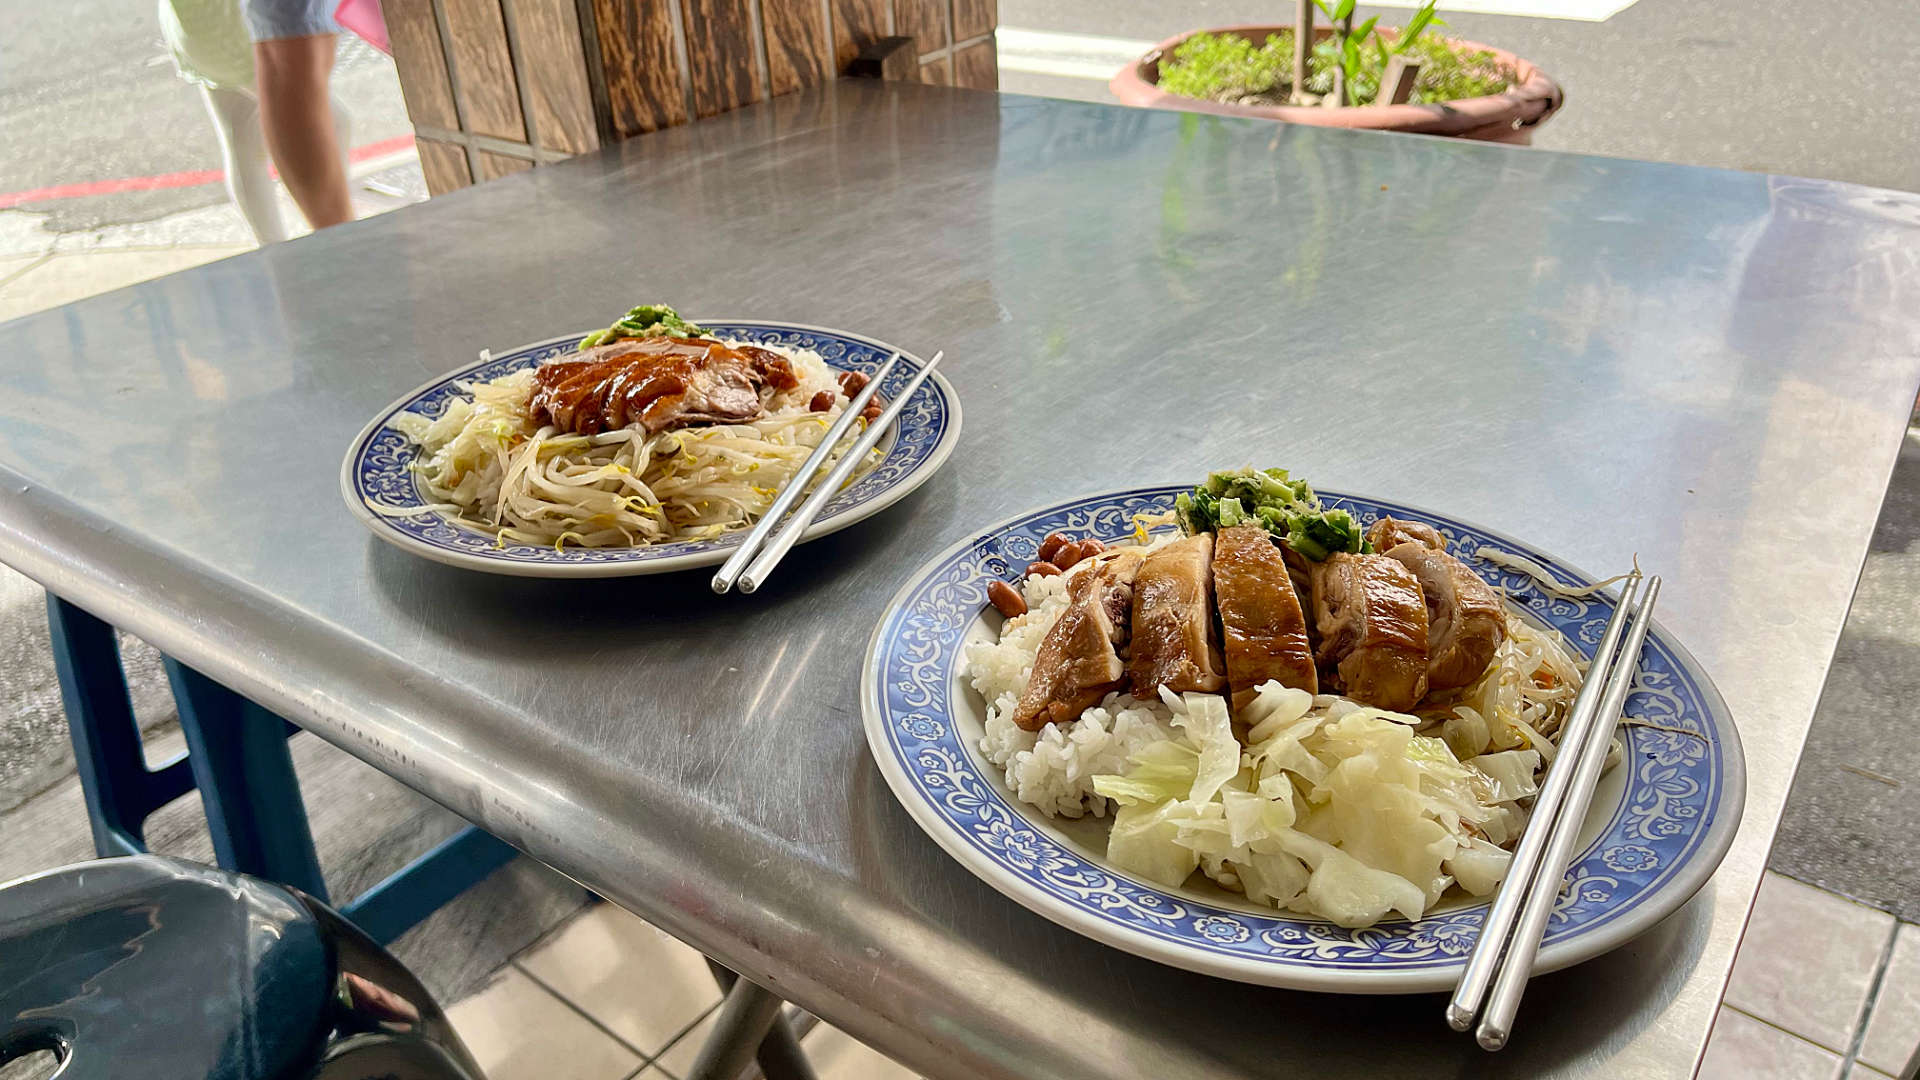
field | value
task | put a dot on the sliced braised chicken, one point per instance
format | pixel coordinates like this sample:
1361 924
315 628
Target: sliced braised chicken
1174 644
1389 533
658 383
1263 633
1466 622
1372 618
1079 659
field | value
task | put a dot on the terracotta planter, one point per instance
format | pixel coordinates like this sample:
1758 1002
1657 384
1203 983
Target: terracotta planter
1508 117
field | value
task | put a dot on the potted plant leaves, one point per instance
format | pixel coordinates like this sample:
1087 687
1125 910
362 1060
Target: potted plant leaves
1343 75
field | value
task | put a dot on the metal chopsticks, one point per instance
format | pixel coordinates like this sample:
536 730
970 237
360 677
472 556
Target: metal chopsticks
1503 956
776 548
730 571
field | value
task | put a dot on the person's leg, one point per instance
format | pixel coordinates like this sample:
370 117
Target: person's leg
297 117
236 116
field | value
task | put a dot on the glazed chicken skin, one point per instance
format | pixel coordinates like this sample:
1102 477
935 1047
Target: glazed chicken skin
1466 622
1389 533
1174 643
1263 632
1079 659
1372 618
659 383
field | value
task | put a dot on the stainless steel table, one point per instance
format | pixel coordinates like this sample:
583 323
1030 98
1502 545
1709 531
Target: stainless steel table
1711 369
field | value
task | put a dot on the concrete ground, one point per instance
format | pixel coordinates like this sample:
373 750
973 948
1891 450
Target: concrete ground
1850 822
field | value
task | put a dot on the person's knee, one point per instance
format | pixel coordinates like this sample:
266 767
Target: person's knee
303 62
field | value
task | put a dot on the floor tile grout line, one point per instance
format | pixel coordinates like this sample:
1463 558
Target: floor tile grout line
645 1058
1835 893
683 1033
1873 995
553 932
1782 1029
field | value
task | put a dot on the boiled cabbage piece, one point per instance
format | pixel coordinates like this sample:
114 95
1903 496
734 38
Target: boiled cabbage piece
1331 808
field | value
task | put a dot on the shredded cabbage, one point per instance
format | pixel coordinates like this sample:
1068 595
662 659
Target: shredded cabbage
1332 808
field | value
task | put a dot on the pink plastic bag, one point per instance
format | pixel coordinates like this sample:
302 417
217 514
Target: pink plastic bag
363 18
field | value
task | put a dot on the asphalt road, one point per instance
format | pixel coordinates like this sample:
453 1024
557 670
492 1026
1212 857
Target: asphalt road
88 92
1736 84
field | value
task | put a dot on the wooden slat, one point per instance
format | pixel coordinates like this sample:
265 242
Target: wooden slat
489 98
797 45
421 65
856 25
494 166
939 72
720 54
556 75
444 164
925 21
1396 83
976 66
972 18
644 89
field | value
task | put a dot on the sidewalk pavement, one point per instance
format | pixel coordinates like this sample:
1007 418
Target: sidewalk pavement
41 268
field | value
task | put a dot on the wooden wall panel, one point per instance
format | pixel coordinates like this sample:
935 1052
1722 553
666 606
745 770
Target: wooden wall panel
973 18
574 73
925 21
421 64
856 25
644 92
483 68
939 72
444 164
494 166
798 51
977 67
725 72
549 35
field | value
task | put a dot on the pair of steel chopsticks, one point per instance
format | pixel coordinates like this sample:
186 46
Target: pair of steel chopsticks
770 547
1503 956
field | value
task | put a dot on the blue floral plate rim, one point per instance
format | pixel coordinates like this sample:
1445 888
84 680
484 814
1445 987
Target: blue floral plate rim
1667 828
375 469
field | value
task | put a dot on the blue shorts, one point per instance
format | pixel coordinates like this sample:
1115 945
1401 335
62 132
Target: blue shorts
271 19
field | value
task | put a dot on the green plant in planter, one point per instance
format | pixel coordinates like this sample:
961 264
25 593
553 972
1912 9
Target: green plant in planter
1232 69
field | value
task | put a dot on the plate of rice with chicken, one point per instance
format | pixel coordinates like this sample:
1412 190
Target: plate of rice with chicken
649 446
1284 736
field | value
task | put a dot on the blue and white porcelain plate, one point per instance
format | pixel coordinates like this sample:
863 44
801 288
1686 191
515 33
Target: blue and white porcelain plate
378 468
1659 824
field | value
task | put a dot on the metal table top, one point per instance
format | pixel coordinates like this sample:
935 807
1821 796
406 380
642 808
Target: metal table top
1711 369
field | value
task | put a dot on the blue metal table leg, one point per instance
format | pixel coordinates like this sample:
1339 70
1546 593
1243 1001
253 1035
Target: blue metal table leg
420 888
238 751
120 790
237 756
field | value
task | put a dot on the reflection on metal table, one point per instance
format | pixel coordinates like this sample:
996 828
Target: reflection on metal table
1517 338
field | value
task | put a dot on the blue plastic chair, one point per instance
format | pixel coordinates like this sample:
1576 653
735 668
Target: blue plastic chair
150 968
237 757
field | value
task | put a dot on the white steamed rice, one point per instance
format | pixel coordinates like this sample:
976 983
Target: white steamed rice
1053 769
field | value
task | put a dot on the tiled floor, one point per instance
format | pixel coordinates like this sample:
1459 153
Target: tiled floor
608 997
1823 988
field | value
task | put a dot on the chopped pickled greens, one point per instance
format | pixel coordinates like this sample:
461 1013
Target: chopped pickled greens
1285 507
647 320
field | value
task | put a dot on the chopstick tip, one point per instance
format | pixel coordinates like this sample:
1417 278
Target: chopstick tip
1491 1038
1459 1019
